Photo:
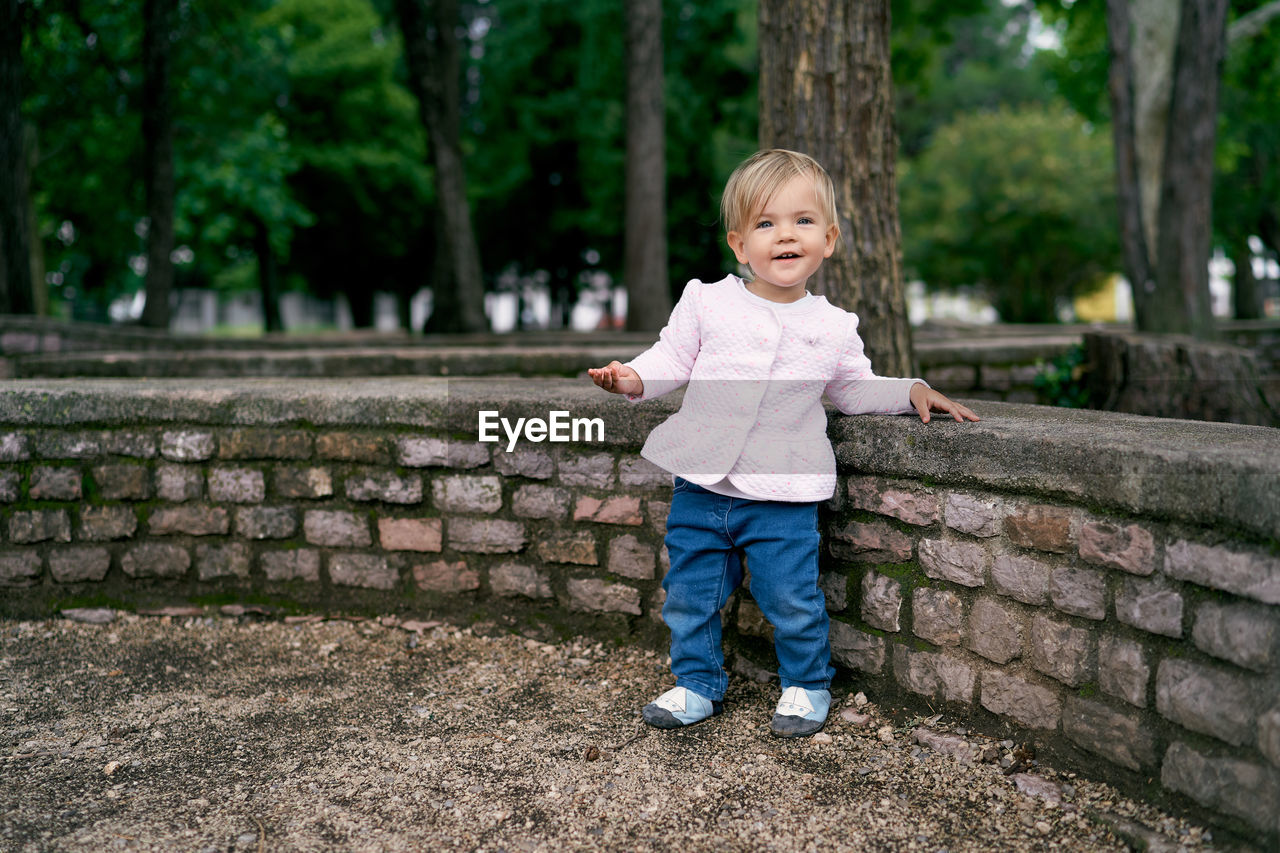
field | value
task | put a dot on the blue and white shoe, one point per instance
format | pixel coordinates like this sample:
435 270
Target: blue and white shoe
800 712
679 707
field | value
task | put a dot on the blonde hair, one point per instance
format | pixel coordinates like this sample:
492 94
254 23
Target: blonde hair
761 175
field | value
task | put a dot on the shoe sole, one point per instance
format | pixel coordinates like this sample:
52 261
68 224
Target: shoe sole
780 729
661 718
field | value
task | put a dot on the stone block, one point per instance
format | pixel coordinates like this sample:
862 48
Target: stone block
1063 651
156 560
1039 526
1020 577
460 493
1251 573
540 502
1242 788
55 484
140 445
123 482
874 495
1209 700
835 590
10 486
1129 548
363 570
656 512
1269 735
39 525
752 622
640 473
336 529
68 445
1079 591
486 536
14 447
179 483
382 485
874 542
1248 635
305 483
857 649
187 445
960 562
525 462
630 558
257 443
301 564
104 523
1123 670
237 485
937 675
193 519
595 595
937 616
446 576
352 447
1152 604
415 451
514 579
1033 705
1116 736
78 563
619 509
266 522
20 568
594 470
576 547
411 534
995 631
222 561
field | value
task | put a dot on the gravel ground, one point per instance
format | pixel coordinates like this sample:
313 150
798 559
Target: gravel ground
240 733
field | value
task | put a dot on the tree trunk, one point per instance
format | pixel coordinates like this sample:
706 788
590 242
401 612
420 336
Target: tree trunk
645 262
268 277
1246 296
1166 64
826 90
157 137
16 292
431 50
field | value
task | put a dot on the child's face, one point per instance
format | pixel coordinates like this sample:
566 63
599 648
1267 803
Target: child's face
785 241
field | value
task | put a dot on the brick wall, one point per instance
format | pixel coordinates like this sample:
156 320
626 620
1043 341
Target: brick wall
1107 584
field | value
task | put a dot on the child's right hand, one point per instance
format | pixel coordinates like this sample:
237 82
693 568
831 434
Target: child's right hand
617 378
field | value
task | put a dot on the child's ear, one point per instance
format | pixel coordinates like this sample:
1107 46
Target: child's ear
739 246
833 231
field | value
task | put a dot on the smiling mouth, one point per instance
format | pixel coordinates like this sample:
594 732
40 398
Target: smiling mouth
786 256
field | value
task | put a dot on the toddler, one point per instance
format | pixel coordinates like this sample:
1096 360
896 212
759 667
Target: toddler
749 449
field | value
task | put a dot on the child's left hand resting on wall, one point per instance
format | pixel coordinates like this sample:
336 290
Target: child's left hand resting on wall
927 400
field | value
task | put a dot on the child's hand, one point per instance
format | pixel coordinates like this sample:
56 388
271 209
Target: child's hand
617 378
925 399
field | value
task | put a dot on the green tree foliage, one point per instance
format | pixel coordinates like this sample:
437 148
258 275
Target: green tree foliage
1019 203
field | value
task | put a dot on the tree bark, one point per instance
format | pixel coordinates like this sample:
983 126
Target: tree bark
157 137
826 90
16 292
1166 66
1246 296
268 277
645 261
1181 301
431 51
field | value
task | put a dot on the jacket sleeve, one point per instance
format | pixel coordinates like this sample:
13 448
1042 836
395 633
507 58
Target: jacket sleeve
856 390
667 364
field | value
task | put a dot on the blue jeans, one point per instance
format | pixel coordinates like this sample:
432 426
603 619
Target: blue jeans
705 534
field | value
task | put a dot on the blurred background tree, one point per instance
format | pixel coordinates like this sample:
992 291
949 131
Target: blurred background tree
300 162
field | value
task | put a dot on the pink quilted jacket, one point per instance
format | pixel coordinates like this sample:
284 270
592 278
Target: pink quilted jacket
756 375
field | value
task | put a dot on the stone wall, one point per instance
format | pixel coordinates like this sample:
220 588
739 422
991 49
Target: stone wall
1105 585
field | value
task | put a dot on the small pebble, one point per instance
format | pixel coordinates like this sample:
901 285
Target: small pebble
822 737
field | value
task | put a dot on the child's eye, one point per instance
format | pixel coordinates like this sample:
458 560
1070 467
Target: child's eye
764 223
805 220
